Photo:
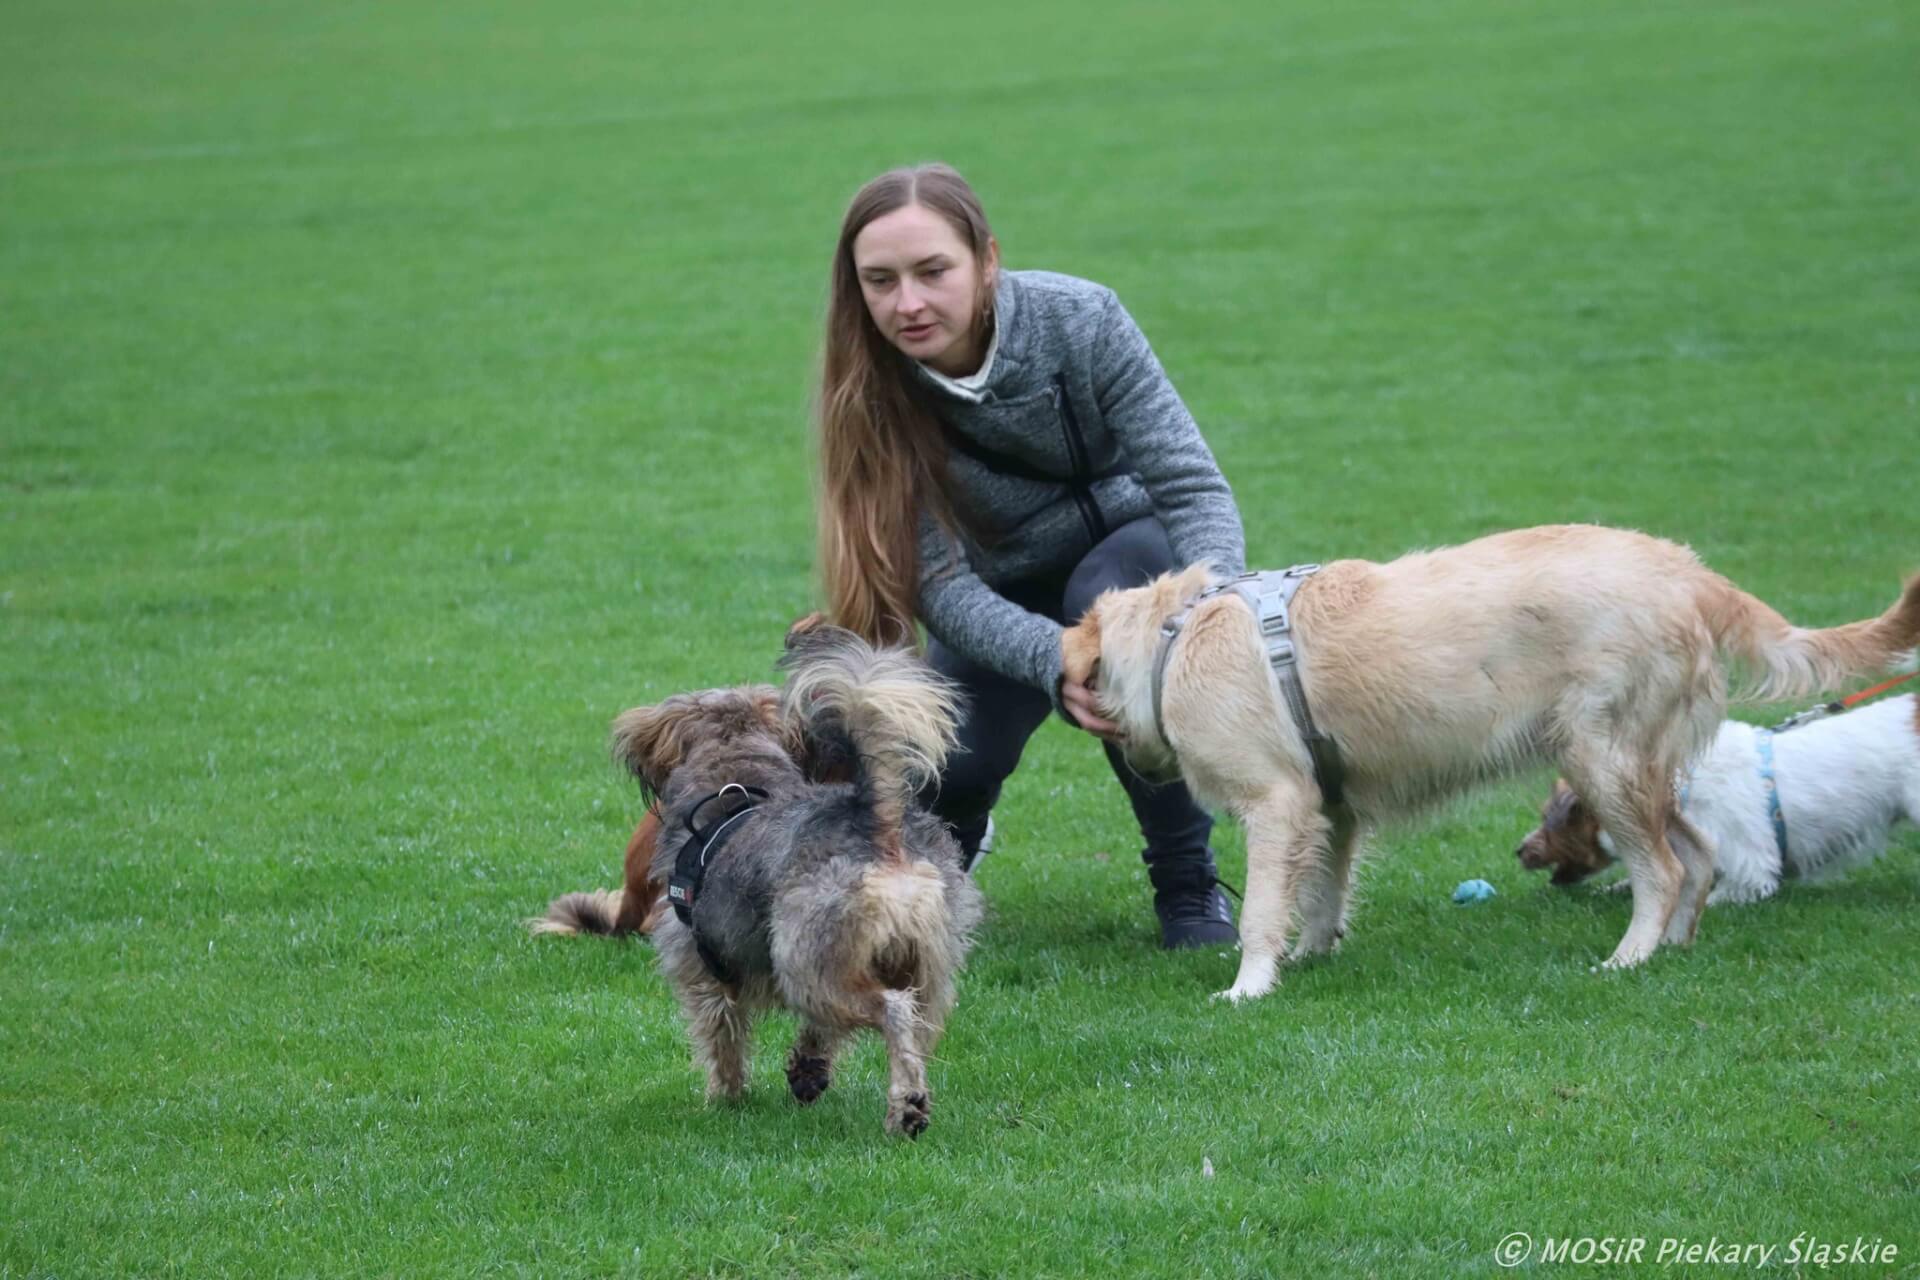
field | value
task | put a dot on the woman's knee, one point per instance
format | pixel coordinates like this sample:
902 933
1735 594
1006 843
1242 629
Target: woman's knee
1130 556
998 717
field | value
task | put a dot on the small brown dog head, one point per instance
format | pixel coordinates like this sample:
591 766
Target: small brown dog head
651 742
1567 839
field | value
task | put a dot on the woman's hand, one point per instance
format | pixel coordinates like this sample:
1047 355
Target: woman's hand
1079 701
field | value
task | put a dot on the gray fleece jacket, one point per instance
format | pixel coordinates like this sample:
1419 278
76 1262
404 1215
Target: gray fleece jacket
1076 432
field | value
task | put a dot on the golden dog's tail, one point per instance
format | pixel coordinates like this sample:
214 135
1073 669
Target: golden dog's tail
888 713
1786 661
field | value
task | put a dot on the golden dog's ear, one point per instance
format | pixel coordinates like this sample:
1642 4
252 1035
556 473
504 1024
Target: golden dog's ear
650 743
1080 648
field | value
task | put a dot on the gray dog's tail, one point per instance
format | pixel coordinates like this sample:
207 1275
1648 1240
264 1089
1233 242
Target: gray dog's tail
891 715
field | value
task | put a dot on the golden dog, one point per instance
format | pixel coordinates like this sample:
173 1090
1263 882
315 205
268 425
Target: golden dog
1597 649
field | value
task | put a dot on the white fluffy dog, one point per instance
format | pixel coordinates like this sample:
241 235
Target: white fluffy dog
1595 648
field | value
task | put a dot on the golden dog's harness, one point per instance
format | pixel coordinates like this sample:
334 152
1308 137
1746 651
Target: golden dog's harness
1270 596
690 866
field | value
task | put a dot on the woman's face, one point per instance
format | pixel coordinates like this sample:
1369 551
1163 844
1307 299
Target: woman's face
922 285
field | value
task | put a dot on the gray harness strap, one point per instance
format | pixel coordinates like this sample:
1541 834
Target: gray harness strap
1270 596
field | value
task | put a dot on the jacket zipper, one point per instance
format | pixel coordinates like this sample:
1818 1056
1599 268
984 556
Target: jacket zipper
1079 484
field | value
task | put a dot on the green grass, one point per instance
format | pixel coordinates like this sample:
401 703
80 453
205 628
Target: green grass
389 394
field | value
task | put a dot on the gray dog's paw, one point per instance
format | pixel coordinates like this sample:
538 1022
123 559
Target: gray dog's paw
808 1078
909 1114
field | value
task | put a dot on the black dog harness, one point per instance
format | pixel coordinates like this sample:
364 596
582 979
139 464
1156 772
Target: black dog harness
1270 596
690 867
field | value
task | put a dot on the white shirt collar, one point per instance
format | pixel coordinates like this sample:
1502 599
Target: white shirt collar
974 386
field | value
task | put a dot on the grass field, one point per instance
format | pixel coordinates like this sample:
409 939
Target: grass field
390 393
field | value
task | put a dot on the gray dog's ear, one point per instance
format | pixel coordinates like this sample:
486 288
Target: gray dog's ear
813 636
649 742
803 627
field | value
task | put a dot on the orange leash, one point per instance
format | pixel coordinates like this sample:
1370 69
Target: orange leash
1848 703
1855 699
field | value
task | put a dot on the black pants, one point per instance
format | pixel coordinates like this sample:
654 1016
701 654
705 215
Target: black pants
1001 714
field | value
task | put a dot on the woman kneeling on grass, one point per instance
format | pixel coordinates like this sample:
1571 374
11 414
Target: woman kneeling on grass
997 448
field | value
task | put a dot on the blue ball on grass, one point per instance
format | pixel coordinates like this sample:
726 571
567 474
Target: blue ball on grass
1471 891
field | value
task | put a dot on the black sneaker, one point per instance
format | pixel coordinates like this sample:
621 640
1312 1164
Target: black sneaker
1193 911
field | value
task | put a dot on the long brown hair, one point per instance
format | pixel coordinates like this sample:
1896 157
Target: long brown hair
882 457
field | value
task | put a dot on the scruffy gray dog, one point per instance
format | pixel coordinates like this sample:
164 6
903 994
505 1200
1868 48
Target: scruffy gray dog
843 901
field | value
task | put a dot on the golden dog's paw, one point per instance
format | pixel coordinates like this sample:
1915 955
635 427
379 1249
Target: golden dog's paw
1257 977
1628 957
